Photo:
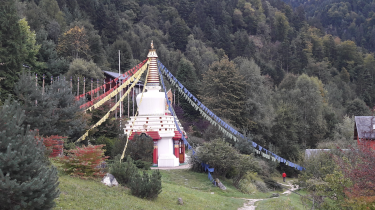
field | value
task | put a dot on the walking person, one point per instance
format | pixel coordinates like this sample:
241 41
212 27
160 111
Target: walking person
284 175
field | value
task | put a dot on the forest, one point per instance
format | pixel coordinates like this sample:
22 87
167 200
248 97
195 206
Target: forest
288 74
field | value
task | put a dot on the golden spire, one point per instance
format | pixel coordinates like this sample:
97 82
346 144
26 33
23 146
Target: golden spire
153 75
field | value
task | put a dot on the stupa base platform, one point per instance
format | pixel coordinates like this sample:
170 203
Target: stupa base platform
168 161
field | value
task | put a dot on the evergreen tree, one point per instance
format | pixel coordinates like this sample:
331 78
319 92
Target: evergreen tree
54 112
258 97
281 26
187 76
357 107
285 131
10 47
179 33
125 53
222 91
26 179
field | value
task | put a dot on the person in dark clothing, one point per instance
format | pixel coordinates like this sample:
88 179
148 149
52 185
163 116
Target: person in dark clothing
284 175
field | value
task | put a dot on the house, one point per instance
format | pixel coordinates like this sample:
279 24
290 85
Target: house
364 131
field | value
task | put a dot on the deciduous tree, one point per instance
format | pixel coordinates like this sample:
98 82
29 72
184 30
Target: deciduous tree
74 44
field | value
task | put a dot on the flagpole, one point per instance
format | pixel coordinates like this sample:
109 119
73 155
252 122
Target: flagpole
91 94
78 87
119 74
43 85
84 85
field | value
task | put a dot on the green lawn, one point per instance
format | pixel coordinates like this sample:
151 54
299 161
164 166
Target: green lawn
195 192
194 188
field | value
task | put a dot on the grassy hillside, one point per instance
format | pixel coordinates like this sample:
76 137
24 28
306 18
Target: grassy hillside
194 188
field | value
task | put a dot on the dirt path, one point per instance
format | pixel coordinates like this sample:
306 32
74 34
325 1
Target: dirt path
250 203
293 187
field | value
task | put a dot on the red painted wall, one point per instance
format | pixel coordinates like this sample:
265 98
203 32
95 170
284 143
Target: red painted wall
366 142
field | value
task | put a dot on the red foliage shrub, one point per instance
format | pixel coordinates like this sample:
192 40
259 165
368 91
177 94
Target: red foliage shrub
359 167
54 144
84 161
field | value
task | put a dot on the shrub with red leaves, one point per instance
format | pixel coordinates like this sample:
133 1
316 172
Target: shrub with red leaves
54 144
84 161
359 167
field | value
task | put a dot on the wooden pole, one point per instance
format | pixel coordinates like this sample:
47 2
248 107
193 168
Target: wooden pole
119 77
43 85
78 87
116 102
110 87
91 94
84 85
36 87
133 101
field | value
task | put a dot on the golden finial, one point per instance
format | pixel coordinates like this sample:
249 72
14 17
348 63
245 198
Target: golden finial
152 44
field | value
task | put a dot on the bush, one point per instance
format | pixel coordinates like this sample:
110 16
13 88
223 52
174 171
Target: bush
195 141
218 154
246 184
247 187
244 165
123 171
140 148
108 142
261 186
146 186
271 184
143 164
118 146
53 144
225 159
84 161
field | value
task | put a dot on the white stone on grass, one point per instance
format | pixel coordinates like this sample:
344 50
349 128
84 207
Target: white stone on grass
109 180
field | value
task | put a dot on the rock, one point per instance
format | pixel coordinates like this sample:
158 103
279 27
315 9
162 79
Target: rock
109 180
212 193
274 195
180 202
220 185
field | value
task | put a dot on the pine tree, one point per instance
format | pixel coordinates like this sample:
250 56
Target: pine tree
26 179
187 76
179 33
10 47
125 53
54 112
222 91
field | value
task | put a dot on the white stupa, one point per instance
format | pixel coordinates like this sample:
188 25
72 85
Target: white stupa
155 120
